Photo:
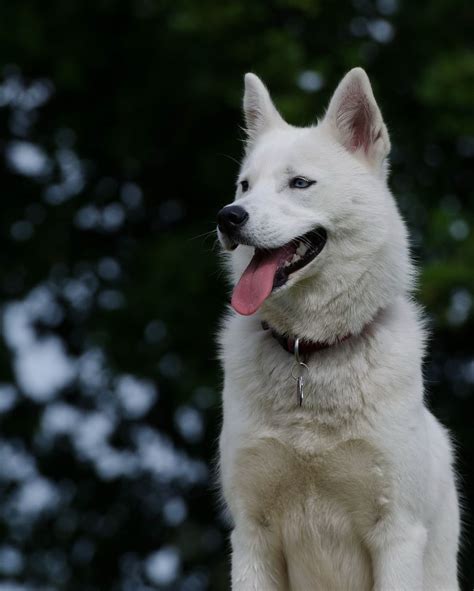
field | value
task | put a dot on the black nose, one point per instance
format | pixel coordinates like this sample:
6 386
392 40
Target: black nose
231 217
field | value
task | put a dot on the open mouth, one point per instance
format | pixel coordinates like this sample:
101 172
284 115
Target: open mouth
306 248
270 269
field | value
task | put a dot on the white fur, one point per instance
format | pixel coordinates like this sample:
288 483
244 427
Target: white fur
355 490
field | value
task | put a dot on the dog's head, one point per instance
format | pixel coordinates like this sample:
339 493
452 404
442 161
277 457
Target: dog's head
313 220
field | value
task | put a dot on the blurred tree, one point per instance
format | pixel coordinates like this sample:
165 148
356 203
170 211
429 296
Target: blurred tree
119 135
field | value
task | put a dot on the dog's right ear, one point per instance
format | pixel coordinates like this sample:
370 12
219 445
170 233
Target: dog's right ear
259 111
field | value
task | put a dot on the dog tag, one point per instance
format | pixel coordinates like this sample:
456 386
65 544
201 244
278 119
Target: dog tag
297 371
299 391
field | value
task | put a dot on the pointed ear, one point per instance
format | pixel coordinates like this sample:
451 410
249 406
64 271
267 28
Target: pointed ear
354 117
259 111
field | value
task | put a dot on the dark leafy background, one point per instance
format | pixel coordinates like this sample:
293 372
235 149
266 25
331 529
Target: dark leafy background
119 134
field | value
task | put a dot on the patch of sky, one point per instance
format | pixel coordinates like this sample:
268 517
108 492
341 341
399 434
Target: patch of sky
162 567
109 269
381 30
310 81
21 230
190 423
459 229
131 195
175 511
111 299
16 464
196 581
155 331
108 219
80 291
94 375
16 93
468 371
33 497
11 560
459 307
170 365
27 159
113 216
8 398
387 7
42 366
83 551
136 396
72 177
158 456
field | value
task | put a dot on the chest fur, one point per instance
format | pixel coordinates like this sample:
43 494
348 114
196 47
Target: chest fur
350 479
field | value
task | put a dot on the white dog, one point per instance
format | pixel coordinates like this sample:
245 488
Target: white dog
337 476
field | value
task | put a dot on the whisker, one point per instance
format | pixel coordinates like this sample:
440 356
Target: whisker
229 157
205 234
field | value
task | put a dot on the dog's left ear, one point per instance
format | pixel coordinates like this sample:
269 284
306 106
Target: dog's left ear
354 117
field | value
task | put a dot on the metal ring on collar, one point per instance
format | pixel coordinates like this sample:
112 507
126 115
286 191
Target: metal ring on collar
302 370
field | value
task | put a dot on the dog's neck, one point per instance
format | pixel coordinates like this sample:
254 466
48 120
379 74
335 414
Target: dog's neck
316 322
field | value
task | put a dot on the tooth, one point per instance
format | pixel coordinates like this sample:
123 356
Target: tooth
302 249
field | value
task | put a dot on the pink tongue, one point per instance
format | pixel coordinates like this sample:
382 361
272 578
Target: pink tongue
256 282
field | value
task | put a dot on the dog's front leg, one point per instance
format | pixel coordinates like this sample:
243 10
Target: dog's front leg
257 560
397 555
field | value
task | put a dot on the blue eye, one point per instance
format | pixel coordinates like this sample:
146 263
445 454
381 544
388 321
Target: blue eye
244 185
299 182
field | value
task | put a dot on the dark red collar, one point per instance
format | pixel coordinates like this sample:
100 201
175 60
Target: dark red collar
305 347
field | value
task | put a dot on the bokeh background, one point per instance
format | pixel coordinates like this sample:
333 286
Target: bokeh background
120 132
